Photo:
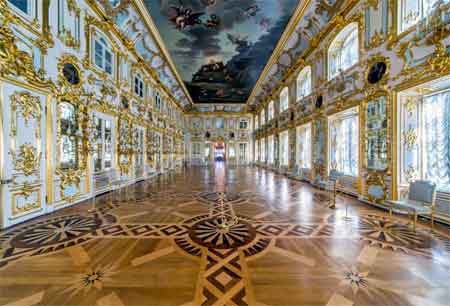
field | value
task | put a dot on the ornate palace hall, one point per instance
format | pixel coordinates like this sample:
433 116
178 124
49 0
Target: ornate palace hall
161 242
224 152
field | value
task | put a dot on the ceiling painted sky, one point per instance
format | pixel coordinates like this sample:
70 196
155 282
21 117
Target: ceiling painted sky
220 47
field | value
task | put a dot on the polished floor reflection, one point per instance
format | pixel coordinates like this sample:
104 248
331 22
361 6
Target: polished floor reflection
223 236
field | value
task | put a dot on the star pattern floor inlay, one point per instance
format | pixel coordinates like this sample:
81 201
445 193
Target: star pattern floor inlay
164 242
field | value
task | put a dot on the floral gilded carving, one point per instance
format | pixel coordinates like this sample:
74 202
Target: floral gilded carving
27 160
28 105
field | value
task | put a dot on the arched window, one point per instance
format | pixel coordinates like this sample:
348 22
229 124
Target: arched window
103 54
138 85
304 83
270 111
344 50
284 99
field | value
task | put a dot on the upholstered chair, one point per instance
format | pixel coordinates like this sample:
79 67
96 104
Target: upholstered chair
421 201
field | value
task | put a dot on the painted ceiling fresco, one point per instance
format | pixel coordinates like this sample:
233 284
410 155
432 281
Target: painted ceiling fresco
220 47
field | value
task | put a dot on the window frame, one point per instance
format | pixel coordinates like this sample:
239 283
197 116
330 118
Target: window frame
243 124
271 150
99 39
284 103
304 154
352 112
284 148
271 110
305 76
139 86
412 153
341 38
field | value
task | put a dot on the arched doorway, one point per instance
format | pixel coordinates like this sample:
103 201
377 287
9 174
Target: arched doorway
219 151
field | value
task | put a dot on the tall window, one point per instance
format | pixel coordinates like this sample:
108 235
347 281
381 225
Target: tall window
231 152
158 101
284 99
344 50
196 149
263 117
103 55
270 111
257 122
425 133
257 151
304 83
138 85
270 150
231 124
284 148
68 129
263 150
412 11
243 152
103 146
344 142
220 123
304 146
436 139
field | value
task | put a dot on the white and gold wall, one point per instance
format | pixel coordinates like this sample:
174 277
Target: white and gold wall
401 57
80 105
230 130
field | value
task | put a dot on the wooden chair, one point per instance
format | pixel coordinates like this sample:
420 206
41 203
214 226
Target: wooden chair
421 201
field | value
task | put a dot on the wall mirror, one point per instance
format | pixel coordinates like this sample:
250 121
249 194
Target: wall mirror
377 133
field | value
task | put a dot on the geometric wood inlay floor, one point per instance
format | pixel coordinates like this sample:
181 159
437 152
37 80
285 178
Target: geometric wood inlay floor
223 236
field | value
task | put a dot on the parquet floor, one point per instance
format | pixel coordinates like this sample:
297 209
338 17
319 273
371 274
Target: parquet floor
223 236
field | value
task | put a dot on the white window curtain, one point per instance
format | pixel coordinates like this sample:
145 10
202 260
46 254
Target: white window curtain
270 150
263 150
263 117
304 146
344 143
436 139
257 151
304 83
284 148
284 99
344 51
270 111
